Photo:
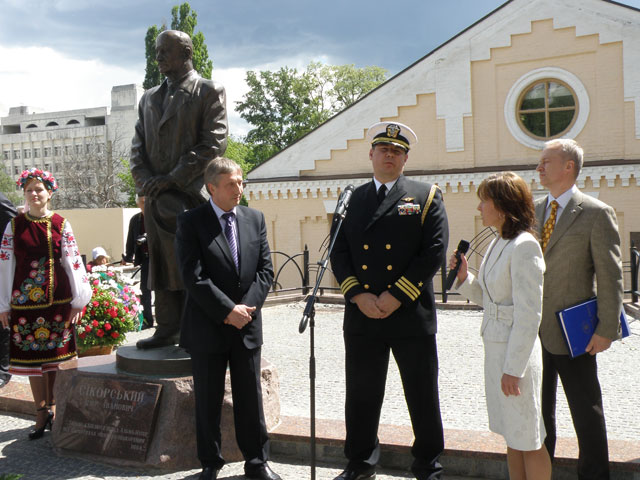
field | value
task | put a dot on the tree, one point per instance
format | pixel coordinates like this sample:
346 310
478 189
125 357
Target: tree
93 178
185 20
287 104
8 187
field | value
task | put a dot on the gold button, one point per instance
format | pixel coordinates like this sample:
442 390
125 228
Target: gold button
364 267
366 286
389 267
365 246
388 286
388 246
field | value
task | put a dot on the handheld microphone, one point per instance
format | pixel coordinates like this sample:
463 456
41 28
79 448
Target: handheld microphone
343 201
463 247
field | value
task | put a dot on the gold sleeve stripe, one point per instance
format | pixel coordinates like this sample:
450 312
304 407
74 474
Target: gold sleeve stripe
348 284
405 291
408 288
427 204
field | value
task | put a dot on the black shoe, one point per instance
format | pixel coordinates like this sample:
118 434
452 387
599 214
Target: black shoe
367 473
36 433
261 472
157 341
4 379
209 473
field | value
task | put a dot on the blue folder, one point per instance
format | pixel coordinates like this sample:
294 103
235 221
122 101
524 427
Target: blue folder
578 324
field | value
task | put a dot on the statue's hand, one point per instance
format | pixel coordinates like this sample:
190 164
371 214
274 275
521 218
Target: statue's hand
156 185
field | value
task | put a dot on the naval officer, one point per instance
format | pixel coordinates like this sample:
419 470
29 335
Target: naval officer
391 244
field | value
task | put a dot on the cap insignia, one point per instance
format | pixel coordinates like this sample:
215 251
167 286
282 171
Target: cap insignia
393 130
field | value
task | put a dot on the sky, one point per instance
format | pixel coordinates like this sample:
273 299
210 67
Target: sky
66 54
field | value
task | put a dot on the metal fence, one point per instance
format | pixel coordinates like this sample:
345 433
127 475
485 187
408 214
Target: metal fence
307 271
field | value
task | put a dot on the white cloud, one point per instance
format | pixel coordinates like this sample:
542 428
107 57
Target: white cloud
47 80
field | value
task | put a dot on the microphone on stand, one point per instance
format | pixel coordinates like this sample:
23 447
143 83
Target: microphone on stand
343 201
463 247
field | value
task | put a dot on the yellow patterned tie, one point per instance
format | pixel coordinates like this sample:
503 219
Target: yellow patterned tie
548 225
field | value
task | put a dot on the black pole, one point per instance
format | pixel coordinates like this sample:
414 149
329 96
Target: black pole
308 317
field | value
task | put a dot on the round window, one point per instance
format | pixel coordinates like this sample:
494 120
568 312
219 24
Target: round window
547 109
546 103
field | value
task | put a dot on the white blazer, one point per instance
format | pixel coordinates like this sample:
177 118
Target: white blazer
509 287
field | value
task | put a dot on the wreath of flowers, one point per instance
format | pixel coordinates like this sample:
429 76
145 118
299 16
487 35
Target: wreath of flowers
114 310
41 175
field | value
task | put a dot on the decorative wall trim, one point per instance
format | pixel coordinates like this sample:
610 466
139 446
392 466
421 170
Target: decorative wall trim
328 190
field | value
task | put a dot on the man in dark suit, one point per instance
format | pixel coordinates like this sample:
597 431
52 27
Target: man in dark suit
581 245
7 212
137 251
182 126
391 244
225 262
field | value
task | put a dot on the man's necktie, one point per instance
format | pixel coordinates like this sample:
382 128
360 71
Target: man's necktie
230 234
382 192
549 225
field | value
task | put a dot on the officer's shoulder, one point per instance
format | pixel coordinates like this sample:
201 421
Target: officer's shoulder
420 188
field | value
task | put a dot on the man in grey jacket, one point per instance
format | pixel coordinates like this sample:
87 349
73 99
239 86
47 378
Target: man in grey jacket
182 126
581 245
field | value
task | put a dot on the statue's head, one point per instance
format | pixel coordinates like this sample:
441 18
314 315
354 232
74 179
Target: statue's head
174 51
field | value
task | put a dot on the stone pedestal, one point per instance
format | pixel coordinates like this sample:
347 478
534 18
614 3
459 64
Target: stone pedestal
116 411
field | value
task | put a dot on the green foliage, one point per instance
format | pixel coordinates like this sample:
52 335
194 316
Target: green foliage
11 476
127 184
8 187
286 104
185 20
152 76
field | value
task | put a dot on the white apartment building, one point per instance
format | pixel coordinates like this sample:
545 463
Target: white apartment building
48 140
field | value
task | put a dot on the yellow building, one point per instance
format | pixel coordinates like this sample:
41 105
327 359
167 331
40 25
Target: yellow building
483 102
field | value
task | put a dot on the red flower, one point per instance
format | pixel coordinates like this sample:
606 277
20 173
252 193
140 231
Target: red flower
84 310
87 328
95 323
95 303
82 335
106 303
107 326
115 334
100 333
96 282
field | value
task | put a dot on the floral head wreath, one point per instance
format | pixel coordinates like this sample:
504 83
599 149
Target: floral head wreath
43 176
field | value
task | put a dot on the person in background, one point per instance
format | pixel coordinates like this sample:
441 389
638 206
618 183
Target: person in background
581 245
137 251
99 256
509 288
43 289
7 212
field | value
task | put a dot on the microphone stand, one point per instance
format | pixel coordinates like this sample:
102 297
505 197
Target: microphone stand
309 317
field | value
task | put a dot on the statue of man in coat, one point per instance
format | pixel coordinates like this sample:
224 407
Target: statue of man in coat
182 126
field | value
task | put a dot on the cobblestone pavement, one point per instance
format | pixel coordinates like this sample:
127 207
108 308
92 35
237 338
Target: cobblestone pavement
461 394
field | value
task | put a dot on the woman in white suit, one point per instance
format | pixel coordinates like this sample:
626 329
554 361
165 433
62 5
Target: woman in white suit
509 287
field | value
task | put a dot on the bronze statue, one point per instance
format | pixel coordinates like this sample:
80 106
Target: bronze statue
182 126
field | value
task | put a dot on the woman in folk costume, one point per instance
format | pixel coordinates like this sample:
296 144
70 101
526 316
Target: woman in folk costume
43 289
509 287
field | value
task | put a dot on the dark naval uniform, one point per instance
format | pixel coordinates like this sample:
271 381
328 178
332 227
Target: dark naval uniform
397 246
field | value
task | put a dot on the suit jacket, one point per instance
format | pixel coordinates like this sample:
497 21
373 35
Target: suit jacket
212 283
7 211
178 141
583 249
509 287
379 249
133 252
